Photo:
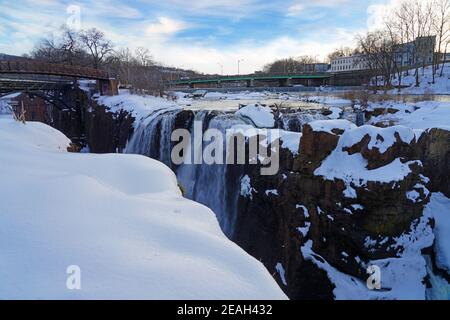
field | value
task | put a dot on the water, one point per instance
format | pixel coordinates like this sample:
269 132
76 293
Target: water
210 185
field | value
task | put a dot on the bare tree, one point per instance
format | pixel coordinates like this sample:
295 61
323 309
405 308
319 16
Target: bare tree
397 36
62 48
144 56
441 26
416 18
291 65
98 46
379 50
340 52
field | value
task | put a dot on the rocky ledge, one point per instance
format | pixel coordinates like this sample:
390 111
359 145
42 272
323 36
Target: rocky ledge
352 198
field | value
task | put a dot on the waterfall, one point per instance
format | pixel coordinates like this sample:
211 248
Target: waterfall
152 137
210 185
213 185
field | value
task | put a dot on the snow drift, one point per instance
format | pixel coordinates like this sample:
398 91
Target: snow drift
120 218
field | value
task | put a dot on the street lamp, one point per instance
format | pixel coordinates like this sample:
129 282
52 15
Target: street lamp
239 65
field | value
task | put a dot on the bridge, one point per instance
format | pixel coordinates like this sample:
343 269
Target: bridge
28 75
283 80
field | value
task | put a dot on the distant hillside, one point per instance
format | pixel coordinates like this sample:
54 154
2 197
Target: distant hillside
8 57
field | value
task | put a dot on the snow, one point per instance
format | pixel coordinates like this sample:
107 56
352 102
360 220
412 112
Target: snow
439 209
273 192
401 276
120 218
348 211
329 125
291 141
260 116
353 168
441 85
304 230
5 107
380 138
350 193
280 269
328 99
413 196
305 210
244 95
419 116
336 113
246 188
357 207
140 107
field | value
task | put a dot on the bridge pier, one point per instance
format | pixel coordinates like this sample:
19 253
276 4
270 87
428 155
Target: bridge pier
250 83
285 82
108 87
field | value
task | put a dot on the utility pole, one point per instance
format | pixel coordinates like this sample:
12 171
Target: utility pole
239 66
221 67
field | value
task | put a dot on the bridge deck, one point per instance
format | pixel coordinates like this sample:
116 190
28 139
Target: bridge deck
255 77
40 68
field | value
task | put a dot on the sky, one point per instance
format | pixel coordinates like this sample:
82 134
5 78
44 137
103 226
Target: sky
203 35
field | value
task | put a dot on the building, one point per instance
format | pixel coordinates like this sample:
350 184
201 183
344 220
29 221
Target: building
419 52
347 64
422 50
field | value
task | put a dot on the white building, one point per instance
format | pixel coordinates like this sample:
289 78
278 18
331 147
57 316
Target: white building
351 63
422 50
418 52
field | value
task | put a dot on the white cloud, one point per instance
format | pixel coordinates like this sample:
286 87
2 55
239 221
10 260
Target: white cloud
297 8
376 13
235 9
205 58
165 26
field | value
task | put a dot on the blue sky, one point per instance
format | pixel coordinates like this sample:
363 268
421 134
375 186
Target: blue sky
199 34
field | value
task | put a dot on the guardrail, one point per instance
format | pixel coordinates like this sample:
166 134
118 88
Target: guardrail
28 67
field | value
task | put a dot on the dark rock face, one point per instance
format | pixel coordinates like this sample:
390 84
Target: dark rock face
89 124
107 132
273 228
314 147
433 148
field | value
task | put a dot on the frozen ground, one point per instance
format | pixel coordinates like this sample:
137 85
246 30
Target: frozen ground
120 218
418 116
441 85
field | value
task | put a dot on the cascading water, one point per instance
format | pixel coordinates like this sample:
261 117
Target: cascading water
207 184
212 185
152 137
